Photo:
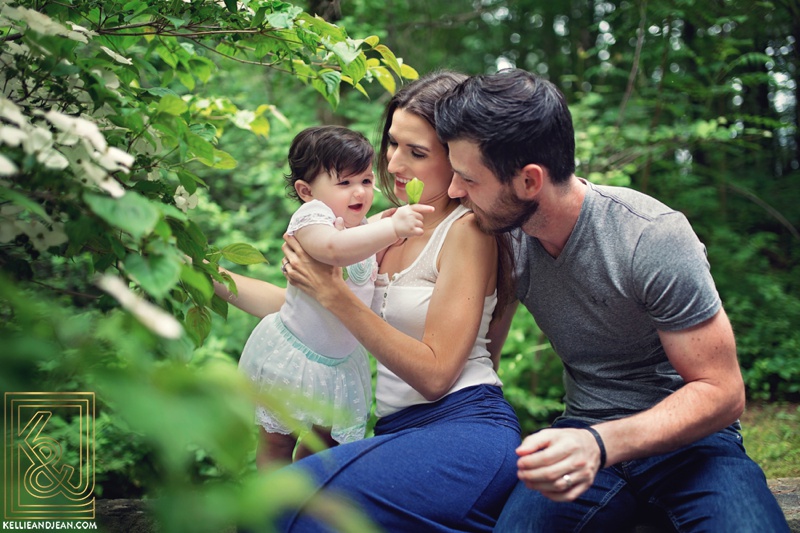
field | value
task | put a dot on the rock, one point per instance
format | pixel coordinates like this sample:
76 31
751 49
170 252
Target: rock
787 492
124 516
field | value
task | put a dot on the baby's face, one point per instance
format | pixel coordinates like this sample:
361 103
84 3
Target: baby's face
349 197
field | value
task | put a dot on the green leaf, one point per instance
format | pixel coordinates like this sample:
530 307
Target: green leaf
198 284
283 20
219 306
389 58
385 78
243 254
167 56
221 160
131 213
408 73
328 85
414 191
260 126
186 79
226 49
157 274
356 70
172 105
198 324
258 18
202 68
189 241
200 147
190 181
345 52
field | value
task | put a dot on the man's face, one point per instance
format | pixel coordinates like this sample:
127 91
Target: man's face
496 206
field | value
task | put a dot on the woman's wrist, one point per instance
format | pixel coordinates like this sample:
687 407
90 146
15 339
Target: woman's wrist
333 293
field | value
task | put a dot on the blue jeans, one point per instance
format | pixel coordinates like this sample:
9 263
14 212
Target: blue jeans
710 485
442 467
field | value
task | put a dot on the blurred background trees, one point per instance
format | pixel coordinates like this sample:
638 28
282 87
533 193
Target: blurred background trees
136 133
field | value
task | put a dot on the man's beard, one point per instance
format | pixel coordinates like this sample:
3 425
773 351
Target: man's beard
507 214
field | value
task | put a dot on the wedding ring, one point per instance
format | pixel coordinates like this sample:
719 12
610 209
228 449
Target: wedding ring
568 480
283 265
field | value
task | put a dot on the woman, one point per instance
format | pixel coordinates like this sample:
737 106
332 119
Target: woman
442 458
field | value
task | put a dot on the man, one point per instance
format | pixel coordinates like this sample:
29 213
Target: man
621 286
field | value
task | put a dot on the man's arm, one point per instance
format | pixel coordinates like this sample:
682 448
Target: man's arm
711 399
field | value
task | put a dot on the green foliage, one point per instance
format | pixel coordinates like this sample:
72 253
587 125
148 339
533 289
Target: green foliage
112 128
771 435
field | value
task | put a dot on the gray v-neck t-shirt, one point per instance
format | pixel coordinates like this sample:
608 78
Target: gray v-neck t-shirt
631 266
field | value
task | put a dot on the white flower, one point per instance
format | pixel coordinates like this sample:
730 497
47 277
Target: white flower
109 78
9 210
118 58
114 159
183 200
38 139
84 32
42 236
9 228
151 316
41 23
17 49
52 158
12 113
38 22
7 166
12 136
77 126
77 36
243 118
85 167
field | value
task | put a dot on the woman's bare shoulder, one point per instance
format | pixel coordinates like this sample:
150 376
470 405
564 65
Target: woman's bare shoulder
466 237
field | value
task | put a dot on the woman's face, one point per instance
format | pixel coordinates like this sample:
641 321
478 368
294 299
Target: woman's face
415 152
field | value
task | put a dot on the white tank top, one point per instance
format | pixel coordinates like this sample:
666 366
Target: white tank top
403 302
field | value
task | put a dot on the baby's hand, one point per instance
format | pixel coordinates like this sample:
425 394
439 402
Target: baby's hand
408 220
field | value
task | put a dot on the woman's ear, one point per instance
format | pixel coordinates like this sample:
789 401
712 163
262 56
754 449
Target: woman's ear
303 190
529 182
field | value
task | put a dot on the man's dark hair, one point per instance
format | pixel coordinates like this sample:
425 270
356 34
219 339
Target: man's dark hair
516 118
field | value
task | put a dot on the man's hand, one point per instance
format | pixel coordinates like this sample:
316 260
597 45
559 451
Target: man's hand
561 463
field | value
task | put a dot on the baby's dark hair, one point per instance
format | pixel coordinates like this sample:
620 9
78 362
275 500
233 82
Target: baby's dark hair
337 150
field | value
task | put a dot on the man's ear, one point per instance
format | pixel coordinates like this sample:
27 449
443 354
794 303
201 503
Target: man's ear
529 182
303 190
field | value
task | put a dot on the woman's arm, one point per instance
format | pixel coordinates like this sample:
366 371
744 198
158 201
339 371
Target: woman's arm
341 248
256 297
467 269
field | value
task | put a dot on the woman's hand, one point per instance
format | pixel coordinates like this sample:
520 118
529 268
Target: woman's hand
323 282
